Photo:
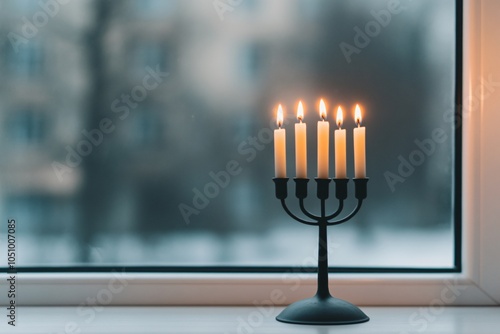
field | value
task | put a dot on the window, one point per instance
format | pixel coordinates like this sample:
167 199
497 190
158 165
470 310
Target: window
404 76
147 129
26 127
27 61
253 61
136 221
148 54
152 8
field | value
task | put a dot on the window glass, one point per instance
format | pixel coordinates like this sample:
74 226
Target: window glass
155 143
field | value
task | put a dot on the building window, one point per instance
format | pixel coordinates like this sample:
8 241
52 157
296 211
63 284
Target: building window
253 61
151 55
147 129
153 8
27 127
27 61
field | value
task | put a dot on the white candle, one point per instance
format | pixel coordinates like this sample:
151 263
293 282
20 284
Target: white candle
280 147
359 147
300 145
323 142
340 148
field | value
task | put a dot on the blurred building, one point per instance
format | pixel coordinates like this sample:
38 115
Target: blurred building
42 95
62 75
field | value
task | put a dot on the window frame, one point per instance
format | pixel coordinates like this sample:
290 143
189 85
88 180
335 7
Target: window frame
476 284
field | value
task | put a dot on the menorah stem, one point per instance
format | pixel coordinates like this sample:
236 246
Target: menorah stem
323 291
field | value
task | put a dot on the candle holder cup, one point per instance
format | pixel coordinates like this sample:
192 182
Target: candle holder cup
323 308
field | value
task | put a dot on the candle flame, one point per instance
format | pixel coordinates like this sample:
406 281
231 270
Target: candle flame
357 115
300 112
322 109
340 117
279 118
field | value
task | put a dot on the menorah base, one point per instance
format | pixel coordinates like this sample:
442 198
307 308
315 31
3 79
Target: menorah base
322 311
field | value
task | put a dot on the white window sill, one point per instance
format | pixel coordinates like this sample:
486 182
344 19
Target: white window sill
118 289
179 320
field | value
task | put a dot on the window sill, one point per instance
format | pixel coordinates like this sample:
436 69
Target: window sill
145 320
149 289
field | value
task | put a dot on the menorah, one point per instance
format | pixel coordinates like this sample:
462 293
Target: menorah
323 308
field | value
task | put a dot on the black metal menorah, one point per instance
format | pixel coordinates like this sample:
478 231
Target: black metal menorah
323 308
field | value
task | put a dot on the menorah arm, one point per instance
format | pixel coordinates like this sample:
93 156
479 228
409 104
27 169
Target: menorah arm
339 210
352 214
300 220
307 213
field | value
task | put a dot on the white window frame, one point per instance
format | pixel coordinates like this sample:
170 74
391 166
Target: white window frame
478 284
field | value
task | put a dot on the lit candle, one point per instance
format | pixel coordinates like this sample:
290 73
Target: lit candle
323 141
340 148
280 146
300 145
359 147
